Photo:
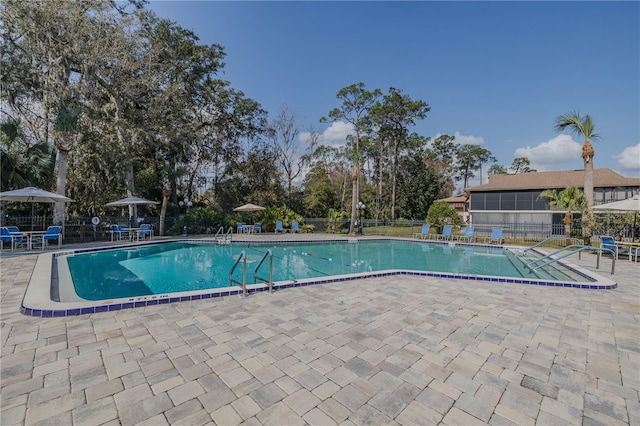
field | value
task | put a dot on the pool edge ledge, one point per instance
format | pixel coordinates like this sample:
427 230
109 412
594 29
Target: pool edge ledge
37 298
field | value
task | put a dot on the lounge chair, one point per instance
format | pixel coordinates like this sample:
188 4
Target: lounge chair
446 233
468 235
610 244
295 227
496 236
145 231
53 233
279 227
9 234
424 232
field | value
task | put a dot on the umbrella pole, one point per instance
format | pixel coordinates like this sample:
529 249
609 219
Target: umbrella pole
32 216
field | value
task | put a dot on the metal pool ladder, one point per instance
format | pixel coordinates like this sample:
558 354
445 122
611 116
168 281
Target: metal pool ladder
221 237
243 283
243 258
269 281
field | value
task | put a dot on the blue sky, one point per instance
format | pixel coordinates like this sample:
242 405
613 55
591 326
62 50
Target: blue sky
496 74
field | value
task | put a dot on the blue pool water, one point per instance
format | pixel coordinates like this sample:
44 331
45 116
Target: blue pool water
185 266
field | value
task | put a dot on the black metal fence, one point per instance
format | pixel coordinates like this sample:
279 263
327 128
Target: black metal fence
78 230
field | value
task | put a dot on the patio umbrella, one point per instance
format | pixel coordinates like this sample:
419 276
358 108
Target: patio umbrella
33 195
629 205
248 208
131 201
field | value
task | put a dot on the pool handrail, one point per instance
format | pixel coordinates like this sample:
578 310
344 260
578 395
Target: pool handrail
553 237
256 278
225 238
242 257
579 249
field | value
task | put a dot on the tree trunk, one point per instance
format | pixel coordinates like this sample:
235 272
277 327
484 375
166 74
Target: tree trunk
567 227
128 177
166 193
393 182
61 184
587 220
354 200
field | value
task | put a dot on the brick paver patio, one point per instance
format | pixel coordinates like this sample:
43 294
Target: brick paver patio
393 350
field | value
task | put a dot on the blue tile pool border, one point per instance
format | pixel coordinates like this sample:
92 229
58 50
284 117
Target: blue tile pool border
154 300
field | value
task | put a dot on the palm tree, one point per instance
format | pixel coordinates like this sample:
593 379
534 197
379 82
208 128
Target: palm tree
20 164
582 126
569 199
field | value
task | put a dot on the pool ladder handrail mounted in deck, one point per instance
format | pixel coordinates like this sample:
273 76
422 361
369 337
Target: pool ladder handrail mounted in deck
553 238
221 238
242 257
269 281
579 249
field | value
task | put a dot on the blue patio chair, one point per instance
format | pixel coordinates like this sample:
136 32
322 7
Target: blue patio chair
15 238
610 244
424 232
468 235
496 236
145 231
257 228
53 233
279 227
119 231
446 233
295 227
240 227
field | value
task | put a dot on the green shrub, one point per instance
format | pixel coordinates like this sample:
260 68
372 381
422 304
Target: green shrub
441 213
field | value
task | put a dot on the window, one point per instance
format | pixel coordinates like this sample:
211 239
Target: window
492 201
477 201
508 201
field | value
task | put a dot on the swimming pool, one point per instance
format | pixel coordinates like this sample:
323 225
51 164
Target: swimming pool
150 274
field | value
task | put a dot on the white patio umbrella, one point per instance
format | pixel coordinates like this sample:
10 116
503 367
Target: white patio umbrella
249 208
33 195
131 201
629 205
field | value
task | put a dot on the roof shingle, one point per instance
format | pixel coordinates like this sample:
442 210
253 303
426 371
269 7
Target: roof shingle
602 178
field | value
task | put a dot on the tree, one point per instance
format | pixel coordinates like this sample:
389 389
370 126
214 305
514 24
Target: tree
356 102
497 169
442 155
284 131
319 195
582 126
521 165
419 185
569 199
394 114
470 158
20 164
65 128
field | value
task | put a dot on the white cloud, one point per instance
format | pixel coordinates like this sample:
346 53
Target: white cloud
334 135
468 140
560 149
629 159
462 139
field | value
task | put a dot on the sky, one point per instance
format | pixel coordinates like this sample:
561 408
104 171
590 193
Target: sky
496 74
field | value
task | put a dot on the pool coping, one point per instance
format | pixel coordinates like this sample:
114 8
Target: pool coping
37 299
